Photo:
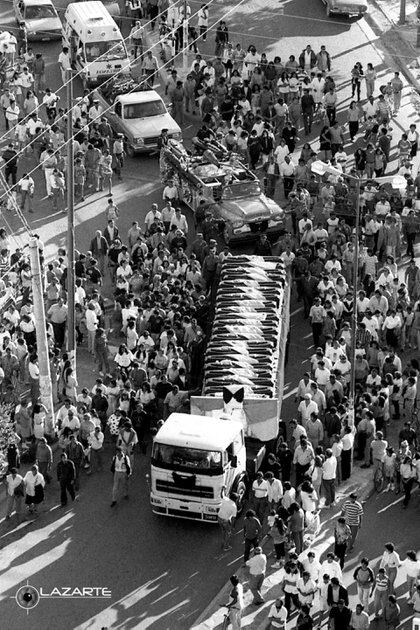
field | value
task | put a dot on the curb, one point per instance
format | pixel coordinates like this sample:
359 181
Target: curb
395 44
204 622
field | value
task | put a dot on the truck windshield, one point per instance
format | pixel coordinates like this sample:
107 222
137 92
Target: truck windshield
187 459
41 12
144 110
239 190
106 50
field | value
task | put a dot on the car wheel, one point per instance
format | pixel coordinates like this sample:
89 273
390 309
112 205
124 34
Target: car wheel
328 10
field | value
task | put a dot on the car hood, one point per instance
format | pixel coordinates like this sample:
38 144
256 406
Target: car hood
45 24
146 127
250 209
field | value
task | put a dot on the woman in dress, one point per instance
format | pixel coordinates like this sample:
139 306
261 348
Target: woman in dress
34 489
70 385
370 76
39 415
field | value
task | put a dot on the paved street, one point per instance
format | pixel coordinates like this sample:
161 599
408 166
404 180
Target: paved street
163 573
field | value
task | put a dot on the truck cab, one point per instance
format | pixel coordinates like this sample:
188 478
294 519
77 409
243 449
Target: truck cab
193 457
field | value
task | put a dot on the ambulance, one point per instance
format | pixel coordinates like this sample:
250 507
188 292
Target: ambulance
95 42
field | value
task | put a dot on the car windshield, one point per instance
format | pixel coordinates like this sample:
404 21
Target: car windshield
241 189
39 13
106 50
183 458
144 110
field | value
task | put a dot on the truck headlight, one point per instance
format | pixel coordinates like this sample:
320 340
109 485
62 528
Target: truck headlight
212 508
237 224
139 140
277 217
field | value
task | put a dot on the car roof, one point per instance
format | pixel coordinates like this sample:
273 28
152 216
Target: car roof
143 96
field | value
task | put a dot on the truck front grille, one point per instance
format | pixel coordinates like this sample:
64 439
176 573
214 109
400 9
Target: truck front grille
202 492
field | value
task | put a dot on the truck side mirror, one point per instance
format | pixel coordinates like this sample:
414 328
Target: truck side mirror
234 461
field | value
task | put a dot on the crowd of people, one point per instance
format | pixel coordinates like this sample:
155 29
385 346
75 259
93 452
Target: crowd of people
158 315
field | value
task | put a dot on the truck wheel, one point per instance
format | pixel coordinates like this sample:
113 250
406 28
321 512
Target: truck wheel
130 151
241 490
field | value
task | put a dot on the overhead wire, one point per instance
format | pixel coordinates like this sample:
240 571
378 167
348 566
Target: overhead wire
110 79
82 72
144 81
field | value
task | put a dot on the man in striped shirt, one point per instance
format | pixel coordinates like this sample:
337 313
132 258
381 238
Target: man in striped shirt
380 592
353 513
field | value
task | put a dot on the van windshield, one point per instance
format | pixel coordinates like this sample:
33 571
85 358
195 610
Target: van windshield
106 50
187 459
39 13
144 110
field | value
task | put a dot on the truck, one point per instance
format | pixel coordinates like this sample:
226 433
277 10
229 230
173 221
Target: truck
97 48
230 190
139 114
234 421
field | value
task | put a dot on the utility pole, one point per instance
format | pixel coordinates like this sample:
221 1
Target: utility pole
356 263
402 12
185 38
71 345
45 385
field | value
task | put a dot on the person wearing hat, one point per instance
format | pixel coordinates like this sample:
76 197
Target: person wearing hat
257 566
95 111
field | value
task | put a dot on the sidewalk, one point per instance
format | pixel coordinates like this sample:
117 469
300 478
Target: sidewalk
256 618
399 40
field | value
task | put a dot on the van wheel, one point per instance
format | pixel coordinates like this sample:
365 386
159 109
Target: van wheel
328 10
241 492
130 151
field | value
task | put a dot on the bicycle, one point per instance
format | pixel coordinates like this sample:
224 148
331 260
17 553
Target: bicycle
378 479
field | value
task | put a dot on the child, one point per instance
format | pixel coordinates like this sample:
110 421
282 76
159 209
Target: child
389 468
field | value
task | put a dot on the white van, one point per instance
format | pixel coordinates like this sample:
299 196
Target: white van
95 42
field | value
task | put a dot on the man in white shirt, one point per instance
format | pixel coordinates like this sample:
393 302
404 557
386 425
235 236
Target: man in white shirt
27 186
180 221
64 62
278 615
63 413
331 567
170 192
329 472
153 215
226 517
311 565
14 496
306 407
257 567
274 491
259 496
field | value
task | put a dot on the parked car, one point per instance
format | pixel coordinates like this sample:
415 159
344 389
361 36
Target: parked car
40 19
346 7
